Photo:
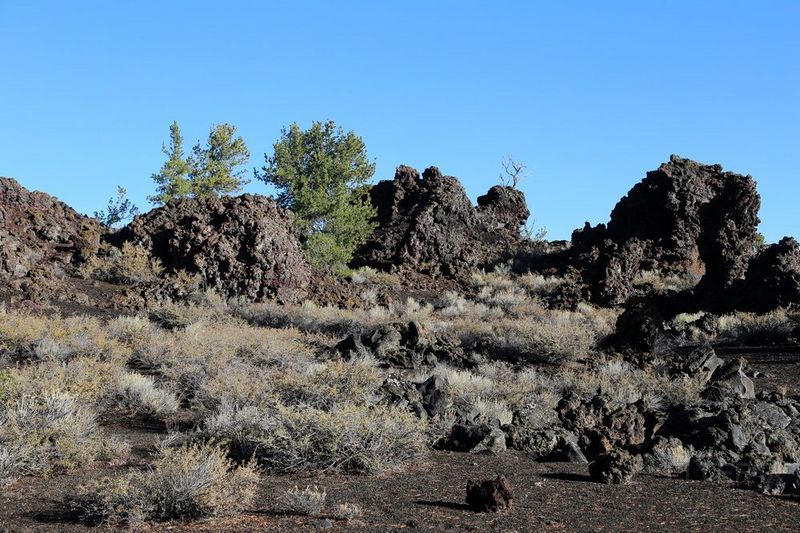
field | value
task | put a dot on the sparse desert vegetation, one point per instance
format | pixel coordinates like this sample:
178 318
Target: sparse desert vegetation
202 379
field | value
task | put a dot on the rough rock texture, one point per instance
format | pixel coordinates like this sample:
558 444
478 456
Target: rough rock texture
684 219
492 495
603 425
476 438
400 345
41 236
615 467
773 278
730 379
744 439
429 225
243 246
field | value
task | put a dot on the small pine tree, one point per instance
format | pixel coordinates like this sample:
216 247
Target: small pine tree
119 209
321 175
212 170
173 179
214 167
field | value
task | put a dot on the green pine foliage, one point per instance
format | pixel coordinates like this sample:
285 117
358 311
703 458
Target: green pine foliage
211 170
322 175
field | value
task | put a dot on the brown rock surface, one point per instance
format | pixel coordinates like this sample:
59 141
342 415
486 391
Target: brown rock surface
428 224
243 246
41 236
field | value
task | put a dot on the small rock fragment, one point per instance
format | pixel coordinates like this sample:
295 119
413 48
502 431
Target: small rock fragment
492 495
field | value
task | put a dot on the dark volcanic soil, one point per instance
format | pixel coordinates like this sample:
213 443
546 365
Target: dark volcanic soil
778 369
548 496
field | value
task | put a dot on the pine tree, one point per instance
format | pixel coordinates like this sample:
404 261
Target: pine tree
321 175
210 170
173 179
214 167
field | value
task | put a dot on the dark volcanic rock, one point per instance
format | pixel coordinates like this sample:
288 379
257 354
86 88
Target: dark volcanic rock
429 225
773 278
243 246
615 467
41 236
403 346
602 425
684 219
489 496
474 438
730 379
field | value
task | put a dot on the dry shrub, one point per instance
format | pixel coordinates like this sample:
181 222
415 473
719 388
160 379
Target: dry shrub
129 265
346 511
556 337
665 282
350 438
138 394
625 384
186 483
668 457
749 329
83 378
370 276
329 384
309 501
51 433
26 338
311 318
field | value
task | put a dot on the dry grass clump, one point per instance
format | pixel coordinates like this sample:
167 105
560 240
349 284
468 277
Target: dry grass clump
494 390
190 482
538 284
370 276
749 329
50 433
668 457
138 394
311 318
550 338
129 265
28 338
307 317
208 361
626 384
347 511
349 438
309 501
84 378
665 282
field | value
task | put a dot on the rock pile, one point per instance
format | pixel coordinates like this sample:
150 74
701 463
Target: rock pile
682 218
243 246
772 279
428 224
408 346
41 237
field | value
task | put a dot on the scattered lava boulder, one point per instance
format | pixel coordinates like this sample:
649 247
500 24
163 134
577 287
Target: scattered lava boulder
243 246
428 224
492 495
773 278
616 467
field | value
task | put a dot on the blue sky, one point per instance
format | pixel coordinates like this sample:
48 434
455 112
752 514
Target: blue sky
589 95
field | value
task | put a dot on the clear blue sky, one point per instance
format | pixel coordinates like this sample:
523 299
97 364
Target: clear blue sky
589 94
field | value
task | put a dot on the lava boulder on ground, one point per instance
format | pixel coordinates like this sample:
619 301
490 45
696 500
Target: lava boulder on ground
243 246
428 224
492 495
684 219
773 278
